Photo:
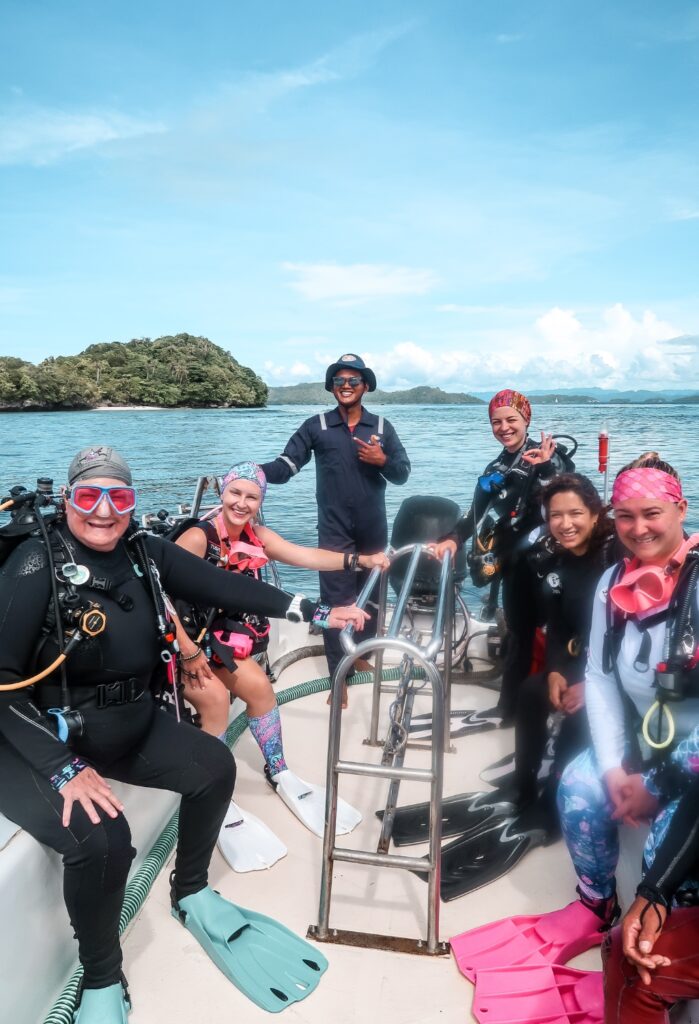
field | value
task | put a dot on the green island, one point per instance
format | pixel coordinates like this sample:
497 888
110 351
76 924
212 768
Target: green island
179 370
188 371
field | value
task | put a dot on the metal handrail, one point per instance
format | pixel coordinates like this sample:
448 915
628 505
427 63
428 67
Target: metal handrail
392 768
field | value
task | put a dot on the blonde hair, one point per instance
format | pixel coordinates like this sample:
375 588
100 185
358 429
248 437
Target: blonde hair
650 460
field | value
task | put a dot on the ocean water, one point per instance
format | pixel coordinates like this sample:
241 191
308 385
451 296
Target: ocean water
448 447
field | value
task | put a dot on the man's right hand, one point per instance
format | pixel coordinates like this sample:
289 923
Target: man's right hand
89 788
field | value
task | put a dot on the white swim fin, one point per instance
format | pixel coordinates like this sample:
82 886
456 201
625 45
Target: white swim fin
246 843
8 829
307 802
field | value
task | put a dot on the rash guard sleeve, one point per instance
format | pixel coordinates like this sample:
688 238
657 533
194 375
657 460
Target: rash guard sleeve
677 855
605 710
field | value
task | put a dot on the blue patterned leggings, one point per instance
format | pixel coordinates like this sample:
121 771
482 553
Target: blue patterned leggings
591 836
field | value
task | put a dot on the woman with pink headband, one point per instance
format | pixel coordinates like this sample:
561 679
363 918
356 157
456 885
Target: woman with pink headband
505 510
606 784
218 653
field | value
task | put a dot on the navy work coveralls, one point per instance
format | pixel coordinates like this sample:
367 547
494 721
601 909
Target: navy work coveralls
350 496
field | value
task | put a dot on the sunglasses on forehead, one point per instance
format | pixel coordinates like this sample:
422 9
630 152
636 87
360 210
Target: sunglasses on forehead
352 382
86 497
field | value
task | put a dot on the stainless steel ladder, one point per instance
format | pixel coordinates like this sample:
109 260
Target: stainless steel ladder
392 766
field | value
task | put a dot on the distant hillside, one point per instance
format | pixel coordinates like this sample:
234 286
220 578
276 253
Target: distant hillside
605 395
179 370
315 394
561 398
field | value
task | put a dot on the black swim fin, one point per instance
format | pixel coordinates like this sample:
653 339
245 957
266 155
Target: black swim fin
479 858
465 813
421 725
462 723
502 773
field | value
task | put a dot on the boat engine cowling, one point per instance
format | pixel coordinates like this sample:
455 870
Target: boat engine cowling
424 518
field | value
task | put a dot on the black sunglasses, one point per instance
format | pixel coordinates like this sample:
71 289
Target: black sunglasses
352 382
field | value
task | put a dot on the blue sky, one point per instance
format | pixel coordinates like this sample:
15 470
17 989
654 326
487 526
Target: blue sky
467 193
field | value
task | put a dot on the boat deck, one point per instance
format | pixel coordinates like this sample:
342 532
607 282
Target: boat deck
172 980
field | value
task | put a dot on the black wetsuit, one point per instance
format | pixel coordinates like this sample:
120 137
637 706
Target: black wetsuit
350 496
133 742
510 514
567 589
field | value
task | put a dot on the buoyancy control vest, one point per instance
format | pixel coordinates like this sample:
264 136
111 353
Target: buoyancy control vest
501 509
71 616
226 637
676 676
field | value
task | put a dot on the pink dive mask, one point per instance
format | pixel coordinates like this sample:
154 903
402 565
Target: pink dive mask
647 588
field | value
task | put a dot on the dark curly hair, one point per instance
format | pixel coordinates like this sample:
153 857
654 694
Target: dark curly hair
584 488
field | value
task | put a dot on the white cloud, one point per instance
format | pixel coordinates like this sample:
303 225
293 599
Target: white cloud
357 282
254 92
455 307
685 213
610 348
297 373
503 38
12 296
42 135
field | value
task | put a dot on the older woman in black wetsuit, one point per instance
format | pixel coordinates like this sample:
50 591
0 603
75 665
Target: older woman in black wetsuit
56 788
506 508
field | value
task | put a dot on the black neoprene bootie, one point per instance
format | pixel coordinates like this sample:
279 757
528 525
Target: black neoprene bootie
607 911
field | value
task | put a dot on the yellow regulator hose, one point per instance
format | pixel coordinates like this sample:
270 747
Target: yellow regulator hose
663 709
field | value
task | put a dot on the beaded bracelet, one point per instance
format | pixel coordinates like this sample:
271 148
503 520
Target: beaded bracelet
191 657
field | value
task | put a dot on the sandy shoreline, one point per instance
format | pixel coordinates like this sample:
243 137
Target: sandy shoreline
127 408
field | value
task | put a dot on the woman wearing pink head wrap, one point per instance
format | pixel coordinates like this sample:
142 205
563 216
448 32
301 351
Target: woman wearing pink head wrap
633 623
225 662
505 510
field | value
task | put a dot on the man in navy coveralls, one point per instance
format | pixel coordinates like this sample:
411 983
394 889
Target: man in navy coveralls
356 453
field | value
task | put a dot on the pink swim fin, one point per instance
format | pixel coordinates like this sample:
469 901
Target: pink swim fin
552 938
539 994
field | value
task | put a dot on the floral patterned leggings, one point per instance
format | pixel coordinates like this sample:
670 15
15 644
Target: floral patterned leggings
592 837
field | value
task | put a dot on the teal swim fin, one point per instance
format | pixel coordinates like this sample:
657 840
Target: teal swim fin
267 962
109 1005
